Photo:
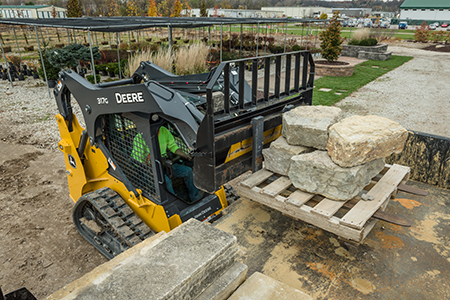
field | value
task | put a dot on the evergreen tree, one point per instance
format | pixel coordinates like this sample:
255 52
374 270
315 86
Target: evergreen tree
70 56
74 9
331 40
203 12
152 10
177 9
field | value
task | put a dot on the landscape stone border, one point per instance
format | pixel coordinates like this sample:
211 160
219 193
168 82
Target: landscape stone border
353 50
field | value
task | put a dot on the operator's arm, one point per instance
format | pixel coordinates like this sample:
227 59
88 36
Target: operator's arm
165 135
182 154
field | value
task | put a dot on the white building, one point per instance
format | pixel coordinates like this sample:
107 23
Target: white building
432 10
235 13
31 11
300 12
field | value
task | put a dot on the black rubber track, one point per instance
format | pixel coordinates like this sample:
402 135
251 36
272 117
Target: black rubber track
118 228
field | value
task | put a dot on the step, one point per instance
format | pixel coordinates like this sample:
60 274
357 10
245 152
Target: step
226 284
176 265
262 287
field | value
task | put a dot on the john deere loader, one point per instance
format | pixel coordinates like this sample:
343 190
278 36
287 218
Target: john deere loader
121 200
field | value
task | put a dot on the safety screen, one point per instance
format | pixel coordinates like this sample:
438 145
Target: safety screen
177 138
131 153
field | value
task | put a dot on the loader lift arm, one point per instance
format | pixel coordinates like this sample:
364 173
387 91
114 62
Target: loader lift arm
216 164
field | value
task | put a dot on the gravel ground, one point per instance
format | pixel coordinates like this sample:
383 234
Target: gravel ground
414 95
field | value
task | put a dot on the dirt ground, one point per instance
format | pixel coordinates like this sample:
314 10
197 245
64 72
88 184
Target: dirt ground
41 248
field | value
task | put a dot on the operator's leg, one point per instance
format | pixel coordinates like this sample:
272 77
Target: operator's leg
185 172
169 184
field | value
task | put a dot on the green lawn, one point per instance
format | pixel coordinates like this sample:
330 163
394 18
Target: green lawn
364 73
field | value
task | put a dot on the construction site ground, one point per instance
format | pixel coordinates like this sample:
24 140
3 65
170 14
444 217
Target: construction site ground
42 250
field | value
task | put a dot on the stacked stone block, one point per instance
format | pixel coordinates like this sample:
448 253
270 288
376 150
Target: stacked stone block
355 149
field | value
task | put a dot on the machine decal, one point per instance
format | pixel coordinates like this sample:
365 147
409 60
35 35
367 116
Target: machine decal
59 85
102 100
72 161
111 164
129 97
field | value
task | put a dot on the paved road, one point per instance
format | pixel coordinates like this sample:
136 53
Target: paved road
415 94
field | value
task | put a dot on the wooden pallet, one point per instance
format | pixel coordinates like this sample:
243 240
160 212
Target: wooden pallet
276 192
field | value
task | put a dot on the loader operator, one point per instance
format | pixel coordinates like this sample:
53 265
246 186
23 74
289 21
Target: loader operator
167 142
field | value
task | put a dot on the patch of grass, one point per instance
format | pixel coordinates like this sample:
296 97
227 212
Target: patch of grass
362 75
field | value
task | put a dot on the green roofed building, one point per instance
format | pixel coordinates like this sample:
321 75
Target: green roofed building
32 11
433 10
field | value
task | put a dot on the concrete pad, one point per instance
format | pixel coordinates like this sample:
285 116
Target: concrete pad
325 90
226 284
262 287
176 265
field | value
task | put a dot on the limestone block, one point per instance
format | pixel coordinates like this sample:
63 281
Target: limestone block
308 125
225 285
178 265
358 139
262 287
277 158
316 173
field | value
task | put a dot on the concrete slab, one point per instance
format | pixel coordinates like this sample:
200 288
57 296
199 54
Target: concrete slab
262 287
325 90
226 284
392 263
176 265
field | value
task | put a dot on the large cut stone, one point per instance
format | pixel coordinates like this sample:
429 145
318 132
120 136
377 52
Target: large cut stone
316 173
358 139
308 125
277 158
178 265
262 287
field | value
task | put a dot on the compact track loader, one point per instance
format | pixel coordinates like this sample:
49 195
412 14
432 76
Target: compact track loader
119 200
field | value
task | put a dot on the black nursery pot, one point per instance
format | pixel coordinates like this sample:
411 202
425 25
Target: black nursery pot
51 83
21 78
35 76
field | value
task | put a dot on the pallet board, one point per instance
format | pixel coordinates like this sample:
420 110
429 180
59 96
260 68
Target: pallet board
355 225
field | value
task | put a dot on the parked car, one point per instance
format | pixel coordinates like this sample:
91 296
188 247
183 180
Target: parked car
402 25
432 26
436 24
444 25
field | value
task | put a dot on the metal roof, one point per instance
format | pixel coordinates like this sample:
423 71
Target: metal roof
24 6
425 4
120 24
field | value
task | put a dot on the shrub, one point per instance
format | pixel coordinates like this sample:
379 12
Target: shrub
123 46
15 60
331 40
437 36
365 42
90 78
296 48
361 34
354 42
51 71
191 59
422 33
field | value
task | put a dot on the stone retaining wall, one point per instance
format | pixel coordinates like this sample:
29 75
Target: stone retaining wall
337 71
353 51
374 55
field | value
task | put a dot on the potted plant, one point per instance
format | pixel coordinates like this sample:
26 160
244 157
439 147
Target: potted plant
148 39
51 70
90 78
